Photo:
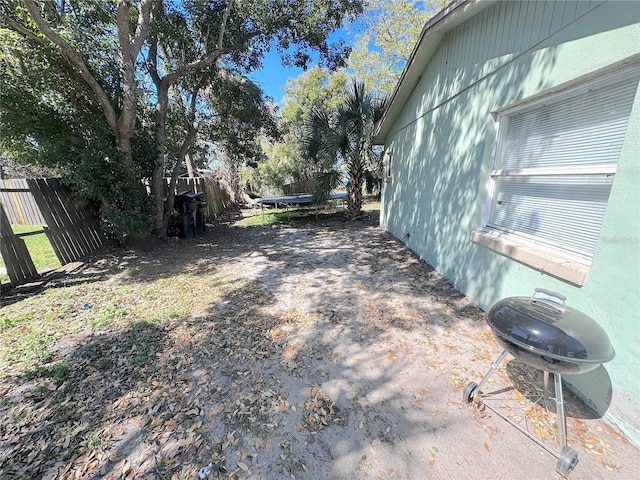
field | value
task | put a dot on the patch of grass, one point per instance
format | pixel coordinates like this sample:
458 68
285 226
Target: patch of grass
270 217
164 291
6 322
39 248
96 440
109 315
57 372
287 216
33 345
165 314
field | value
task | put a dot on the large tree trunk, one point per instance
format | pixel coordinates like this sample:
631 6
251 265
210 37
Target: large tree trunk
354 190
157 180
190 168
123 143
162 211
182 155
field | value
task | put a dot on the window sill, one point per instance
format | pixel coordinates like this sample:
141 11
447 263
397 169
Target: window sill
548 263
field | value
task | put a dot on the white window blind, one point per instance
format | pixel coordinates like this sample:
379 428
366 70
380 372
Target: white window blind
555 163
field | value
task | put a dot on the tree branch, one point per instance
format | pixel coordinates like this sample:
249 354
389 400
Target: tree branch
223 27
22 30
152 62
128 115
144 23
75 61
209 58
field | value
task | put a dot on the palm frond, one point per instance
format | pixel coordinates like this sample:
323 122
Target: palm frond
344 139
314 144
325 183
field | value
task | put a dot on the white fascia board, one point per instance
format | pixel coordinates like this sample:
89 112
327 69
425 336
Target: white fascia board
448 18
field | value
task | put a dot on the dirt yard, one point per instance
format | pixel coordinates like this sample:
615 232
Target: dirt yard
308 350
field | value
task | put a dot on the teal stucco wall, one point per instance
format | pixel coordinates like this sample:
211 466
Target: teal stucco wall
441 151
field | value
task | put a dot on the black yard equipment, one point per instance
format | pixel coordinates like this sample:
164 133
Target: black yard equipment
544 333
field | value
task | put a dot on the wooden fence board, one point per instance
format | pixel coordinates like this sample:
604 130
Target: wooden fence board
303 186
19 204
55 223
73 232
217 198
14 251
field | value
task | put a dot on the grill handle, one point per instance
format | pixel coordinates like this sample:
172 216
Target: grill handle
561 307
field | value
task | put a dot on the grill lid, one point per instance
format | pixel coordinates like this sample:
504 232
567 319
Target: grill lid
548 328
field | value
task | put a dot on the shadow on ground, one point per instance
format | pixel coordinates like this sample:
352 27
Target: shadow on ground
331 352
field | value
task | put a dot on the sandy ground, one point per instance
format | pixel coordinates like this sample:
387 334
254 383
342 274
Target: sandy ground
377 353
340 355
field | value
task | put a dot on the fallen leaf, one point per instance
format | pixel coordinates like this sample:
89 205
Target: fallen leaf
486 446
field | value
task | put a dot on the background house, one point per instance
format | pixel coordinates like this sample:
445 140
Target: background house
512 150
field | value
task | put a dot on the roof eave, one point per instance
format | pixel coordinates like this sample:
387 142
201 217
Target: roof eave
451 16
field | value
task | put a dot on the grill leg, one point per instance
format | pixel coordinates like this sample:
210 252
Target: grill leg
545 394
496 363
568 458
562 421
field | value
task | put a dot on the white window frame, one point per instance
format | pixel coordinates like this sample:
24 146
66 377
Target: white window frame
502 239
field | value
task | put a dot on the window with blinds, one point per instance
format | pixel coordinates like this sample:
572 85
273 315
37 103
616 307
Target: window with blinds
555 162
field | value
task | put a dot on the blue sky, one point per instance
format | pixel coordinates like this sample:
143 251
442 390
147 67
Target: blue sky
273 75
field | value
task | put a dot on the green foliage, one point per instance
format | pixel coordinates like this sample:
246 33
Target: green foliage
282 165
241 116
133 217
390 29
67 107
343 140
45 117
326 182
317 88
48 116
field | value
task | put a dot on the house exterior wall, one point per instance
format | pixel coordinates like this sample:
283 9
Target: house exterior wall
441 146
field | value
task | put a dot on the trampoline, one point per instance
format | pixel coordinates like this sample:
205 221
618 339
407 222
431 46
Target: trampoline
295 199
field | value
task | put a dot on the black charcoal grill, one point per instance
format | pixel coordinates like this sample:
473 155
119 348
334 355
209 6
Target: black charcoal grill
544 333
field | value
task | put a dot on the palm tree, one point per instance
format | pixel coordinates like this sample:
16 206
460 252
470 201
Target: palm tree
341 141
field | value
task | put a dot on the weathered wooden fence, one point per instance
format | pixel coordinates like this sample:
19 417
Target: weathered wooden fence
14 252
217 197
19 205
304 186
72 230
70 227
